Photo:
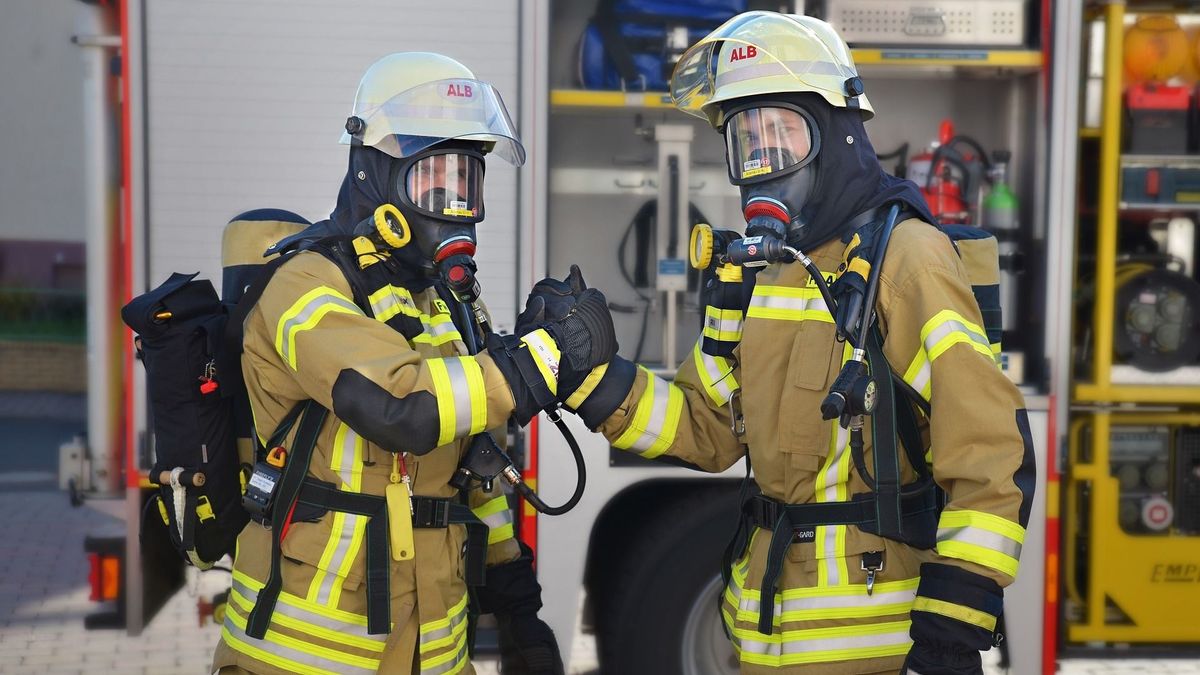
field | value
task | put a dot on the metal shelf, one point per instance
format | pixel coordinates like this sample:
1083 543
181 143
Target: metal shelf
882 60
1136 393
1158 206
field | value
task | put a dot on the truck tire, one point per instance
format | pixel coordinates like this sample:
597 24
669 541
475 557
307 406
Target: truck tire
662 616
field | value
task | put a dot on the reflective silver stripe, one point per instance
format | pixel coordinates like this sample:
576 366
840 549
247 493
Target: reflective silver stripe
953 326
498 520
789 303
349 525
922 378
657 418
449 666
344 548
717 375
823 644
441 633
285 608
829 533
981 537
240 641
440 329
461 389
395 301
290 326
856 600
723 325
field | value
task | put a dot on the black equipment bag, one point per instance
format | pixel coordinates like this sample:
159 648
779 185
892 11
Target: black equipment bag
190 342
180 330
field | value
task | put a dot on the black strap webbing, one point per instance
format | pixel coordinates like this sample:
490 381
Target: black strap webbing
294 472
784 519
374 507
883 439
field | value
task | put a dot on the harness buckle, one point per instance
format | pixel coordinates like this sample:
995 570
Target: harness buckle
431 512
737 421
872 562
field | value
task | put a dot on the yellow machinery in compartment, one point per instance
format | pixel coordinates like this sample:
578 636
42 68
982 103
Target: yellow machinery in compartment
1140 587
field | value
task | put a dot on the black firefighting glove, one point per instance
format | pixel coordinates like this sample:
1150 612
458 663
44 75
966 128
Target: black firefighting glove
512 594
550 300
606 385
954 619
584 338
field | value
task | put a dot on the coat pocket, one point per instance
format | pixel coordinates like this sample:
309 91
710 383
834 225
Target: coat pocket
335 545
812 366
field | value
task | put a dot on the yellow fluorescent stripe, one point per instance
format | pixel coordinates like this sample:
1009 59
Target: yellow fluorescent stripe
273 659
580 395
982 520
335 536
335 636
641 415
956 338
356 539
297 307
478 394
789 314
947 315
806 292
500 534
443 392
300 603
457 638
979 555
307 648
437 340
830 655
285 334
542 347
443 623
339 442
965 614
670 424
491 507
307 325
722 335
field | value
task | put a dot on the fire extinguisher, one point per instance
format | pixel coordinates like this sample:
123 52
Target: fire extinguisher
948 177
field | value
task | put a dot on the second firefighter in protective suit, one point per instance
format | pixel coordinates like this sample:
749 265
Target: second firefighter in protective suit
814 587
358 321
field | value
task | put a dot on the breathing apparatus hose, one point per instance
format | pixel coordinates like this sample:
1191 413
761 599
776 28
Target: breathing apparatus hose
885 236
484 459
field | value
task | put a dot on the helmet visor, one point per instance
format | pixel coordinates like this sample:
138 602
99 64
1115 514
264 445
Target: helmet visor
763 141
438 111
447 184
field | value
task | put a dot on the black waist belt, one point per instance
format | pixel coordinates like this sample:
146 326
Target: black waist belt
428 512
918 524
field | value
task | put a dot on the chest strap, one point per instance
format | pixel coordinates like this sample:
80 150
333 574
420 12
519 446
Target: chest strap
919 512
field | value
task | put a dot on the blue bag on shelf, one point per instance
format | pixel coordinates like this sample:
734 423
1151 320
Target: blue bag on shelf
633 44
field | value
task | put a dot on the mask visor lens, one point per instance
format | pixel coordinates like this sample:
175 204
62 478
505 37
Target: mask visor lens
446 185
763 141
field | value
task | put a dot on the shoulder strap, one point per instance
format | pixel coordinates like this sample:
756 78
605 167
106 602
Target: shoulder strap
311 420
333 248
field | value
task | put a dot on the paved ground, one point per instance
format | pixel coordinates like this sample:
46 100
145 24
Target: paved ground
43 574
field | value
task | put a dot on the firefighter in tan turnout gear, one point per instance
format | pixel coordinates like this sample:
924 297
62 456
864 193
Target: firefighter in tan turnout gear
368 570
840 597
